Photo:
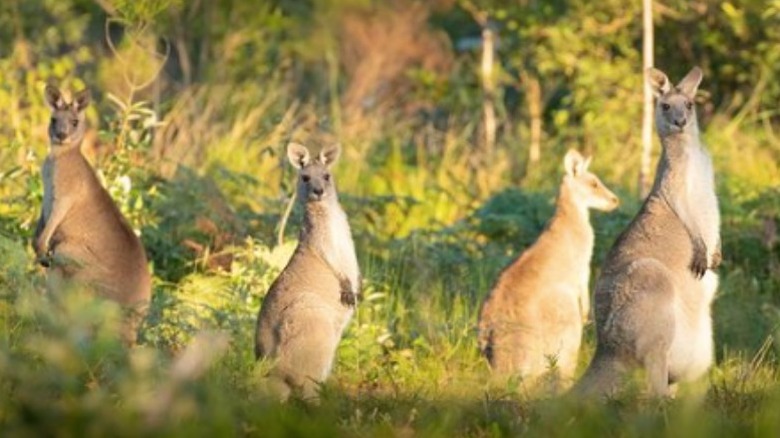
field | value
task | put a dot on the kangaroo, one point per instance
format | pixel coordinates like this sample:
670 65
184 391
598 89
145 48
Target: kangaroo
538 306
652 300
311 302
81 235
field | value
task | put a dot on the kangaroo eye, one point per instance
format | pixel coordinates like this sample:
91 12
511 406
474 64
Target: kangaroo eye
665 106
53 120
305 178
594 184
327 177
74 123
689 104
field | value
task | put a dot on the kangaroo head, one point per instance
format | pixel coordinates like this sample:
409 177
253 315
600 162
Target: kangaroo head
586 188
315 182
674 109
67 123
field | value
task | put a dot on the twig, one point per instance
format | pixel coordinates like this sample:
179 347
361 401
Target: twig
285 217
162 57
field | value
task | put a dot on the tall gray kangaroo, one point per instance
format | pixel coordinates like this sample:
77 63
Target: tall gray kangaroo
652 300
81 235
311 302
540 302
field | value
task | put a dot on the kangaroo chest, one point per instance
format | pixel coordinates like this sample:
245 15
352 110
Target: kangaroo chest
343 255
333 242
701 200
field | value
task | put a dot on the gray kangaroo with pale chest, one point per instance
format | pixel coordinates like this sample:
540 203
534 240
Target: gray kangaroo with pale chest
310 304
537 308
81 235
653 298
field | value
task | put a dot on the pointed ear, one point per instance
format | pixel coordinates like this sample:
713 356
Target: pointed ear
690 83
298 155
53 97
82 99
330 154
658 81
574 164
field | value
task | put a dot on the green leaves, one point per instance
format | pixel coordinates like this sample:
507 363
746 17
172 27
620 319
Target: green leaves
143 12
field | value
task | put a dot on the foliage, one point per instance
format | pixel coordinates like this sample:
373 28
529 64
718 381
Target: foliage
191 146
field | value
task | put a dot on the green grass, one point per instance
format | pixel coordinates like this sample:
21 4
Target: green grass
408 364
196 162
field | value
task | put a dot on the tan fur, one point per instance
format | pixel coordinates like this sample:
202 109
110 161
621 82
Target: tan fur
656 287
311 302
81 236
535 313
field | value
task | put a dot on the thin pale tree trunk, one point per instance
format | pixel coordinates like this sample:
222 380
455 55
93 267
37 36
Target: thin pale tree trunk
647 112
534 100
488 85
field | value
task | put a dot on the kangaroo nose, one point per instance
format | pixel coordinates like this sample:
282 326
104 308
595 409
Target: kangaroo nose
60 135
615 200
680 122
318 191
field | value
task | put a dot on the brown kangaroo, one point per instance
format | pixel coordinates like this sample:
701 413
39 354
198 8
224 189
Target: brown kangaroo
81 235
537 308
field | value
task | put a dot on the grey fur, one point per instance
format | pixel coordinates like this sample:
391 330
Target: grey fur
311 302
653 298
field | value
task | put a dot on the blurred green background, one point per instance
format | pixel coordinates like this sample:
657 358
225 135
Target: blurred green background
194 104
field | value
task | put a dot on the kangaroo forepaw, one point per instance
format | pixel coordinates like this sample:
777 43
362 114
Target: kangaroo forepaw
348 298
717 258
698 265
44 260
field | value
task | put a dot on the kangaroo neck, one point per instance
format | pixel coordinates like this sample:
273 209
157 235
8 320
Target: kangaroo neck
321 220
61 151
572 219
676 153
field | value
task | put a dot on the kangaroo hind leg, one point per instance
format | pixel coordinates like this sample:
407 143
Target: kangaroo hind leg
307 346
652 318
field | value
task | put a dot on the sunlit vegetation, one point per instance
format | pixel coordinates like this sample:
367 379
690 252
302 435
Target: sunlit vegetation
194 104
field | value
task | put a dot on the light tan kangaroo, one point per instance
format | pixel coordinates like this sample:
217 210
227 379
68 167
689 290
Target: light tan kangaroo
652 300
81 235
537 308
308 306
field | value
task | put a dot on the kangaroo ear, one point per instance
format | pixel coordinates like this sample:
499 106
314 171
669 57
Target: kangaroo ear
690 83
658 80
53 97
330 154
574 163
298 155
82 99
586 164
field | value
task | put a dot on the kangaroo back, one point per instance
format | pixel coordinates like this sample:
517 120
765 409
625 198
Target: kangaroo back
534 314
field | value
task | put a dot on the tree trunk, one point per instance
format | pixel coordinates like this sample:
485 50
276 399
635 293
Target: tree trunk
533 92
647 112
489 88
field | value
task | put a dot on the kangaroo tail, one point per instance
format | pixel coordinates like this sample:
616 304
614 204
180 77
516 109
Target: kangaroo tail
602 378
485 341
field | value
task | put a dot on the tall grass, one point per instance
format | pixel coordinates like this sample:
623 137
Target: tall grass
203 178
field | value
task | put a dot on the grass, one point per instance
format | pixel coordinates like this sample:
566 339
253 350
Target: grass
434 220
408 364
